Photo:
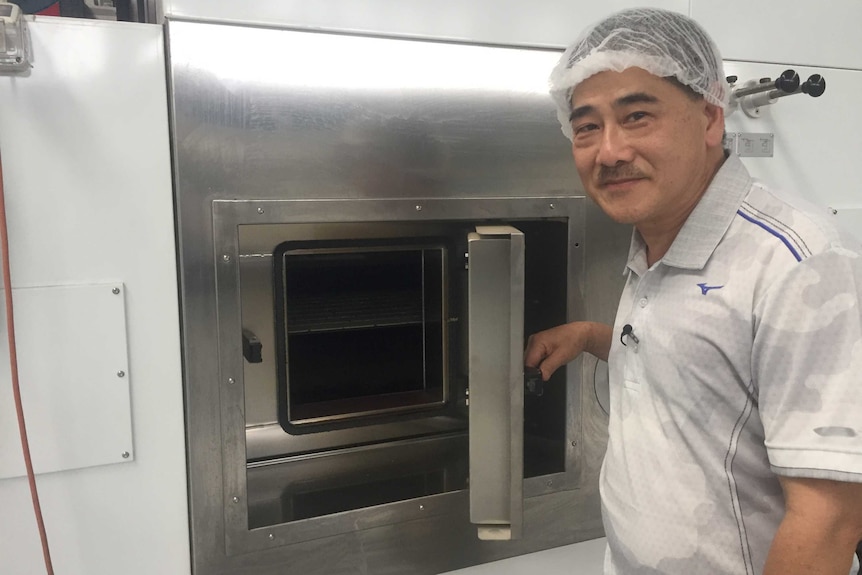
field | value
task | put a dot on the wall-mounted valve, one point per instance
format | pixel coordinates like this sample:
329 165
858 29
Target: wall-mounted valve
814 86
753 95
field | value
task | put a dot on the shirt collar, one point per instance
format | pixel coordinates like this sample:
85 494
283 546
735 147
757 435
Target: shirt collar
706 224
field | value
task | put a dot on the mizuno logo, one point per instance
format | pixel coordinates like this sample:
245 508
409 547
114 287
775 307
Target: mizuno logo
705 288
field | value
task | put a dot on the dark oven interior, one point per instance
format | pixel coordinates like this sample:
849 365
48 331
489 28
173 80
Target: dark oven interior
356 386
382 306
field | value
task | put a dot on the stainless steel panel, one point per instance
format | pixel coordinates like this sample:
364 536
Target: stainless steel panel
496 327
317 129
303 487
267 113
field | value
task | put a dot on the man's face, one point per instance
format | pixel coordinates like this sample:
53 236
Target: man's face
642 146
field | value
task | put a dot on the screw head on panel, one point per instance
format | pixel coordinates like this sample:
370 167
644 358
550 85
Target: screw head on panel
231 380
126 455
115 291
225 258
235 499
552 206
418 208
260 210
121 374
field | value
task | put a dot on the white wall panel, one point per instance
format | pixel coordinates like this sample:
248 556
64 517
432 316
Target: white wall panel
817 142
86 166
73 360
537 23
797 31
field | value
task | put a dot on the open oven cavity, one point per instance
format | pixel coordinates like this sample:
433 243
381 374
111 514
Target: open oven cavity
361 398
380 307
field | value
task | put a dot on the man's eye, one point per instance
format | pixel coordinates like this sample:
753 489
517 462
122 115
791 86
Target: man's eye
635 116
584 128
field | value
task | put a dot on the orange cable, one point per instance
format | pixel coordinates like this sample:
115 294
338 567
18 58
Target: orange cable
13 361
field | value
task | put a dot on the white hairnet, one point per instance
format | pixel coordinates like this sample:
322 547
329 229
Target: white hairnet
664 43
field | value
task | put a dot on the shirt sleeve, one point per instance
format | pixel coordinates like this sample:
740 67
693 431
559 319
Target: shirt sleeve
807 367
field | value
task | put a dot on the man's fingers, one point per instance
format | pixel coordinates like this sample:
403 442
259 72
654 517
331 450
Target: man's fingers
535 353
550 364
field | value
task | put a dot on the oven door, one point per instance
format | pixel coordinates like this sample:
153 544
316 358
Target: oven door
496 343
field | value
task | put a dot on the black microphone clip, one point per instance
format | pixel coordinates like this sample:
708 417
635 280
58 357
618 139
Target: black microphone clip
628 330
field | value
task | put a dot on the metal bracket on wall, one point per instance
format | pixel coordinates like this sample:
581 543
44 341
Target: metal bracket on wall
14 40
750 144
754 95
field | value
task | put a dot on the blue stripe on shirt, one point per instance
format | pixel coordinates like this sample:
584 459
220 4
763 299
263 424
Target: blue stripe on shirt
773 232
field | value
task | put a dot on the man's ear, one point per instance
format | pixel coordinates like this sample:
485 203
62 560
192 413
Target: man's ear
714 124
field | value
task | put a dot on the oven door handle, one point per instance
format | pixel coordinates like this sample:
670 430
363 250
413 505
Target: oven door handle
496 370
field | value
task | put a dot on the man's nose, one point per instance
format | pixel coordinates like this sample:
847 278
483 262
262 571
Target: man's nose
614 147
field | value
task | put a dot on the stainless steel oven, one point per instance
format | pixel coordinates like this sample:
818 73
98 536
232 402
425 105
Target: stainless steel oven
363 251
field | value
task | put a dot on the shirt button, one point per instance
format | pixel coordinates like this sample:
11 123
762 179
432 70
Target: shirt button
643 302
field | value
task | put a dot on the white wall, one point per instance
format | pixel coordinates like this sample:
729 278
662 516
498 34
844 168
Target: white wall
84 142
817 141
800 32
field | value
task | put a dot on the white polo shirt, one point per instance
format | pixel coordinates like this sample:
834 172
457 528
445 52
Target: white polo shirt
747 365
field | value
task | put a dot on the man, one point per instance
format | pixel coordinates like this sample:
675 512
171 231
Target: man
735 434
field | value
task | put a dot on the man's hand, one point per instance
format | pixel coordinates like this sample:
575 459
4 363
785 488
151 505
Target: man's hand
822 526
549 349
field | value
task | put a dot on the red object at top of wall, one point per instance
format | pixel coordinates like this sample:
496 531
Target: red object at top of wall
52 10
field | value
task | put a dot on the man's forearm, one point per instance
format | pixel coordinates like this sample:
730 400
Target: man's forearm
599 340
800 547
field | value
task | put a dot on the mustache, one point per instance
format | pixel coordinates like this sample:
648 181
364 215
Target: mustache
619 172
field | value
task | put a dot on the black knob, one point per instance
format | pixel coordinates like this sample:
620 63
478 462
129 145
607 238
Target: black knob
533 381
788 81
814 86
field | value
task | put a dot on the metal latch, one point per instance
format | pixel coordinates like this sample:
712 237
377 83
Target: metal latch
251 347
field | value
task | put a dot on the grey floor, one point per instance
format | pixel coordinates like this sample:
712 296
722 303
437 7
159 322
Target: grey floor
583 558
579 559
